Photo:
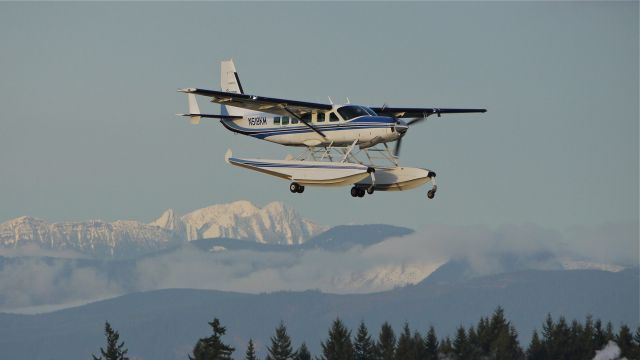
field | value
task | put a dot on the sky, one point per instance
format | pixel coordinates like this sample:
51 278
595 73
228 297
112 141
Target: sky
88 102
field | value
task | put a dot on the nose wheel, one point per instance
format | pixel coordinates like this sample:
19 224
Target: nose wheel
296 188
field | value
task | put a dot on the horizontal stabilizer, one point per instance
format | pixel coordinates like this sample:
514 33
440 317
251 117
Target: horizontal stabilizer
194 111
213 116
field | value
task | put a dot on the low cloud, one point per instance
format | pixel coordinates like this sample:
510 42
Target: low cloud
26 282
606 243
393 262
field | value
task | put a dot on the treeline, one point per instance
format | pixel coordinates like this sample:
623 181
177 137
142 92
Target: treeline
491 338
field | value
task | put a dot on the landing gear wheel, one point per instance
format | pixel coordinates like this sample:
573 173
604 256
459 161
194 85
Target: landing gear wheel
370 190
360 193
294 187
300 189
432 193
354 191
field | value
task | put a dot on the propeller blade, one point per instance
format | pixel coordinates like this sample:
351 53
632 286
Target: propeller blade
396 151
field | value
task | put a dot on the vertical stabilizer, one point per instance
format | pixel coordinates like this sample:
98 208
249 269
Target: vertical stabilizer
229 79
230 82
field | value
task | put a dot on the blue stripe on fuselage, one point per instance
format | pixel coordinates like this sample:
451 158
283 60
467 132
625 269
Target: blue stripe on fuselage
362 122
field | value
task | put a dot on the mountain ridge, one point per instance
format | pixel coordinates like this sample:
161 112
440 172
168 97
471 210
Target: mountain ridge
275 223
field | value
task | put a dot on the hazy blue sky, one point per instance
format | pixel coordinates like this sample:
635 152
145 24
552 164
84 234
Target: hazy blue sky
87 104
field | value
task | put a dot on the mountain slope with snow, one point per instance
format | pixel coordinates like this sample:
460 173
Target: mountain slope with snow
276 223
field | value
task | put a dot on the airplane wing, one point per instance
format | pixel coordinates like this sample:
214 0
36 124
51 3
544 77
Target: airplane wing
283 107
421 112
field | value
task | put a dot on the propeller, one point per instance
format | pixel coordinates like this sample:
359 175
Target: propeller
401 127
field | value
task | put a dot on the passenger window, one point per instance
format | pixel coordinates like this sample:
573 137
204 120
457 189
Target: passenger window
333 116
276 120
306 117
320 117
285 120
294 120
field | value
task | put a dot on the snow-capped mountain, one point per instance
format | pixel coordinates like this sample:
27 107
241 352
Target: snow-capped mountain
275 223
94 237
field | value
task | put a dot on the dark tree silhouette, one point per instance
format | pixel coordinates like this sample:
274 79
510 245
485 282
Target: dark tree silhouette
386 344
431 345
303 353
251 351
212 347
338 345
405 350
461 345
280 348
114 351
363 347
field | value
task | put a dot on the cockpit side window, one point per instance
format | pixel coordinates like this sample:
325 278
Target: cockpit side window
352 111
333 117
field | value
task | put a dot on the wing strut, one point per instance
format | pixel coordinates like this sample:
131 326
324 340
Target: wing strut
305 122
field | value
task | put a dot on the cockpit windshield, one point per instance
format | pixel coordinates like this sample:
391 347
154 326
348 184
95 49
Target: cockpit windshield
349 112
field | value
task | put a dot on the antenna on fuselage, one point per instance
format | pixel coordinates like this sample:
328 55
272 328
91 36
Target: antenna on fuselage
330 101
348 101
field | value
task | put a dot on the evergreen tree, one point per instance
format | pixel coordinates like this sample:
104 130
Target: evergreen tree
251 351
445 349
575 349
431 345
599 337
461 348
609 332
302 353
419 346
386 345
364 348
474 343
338 346
586 341
624 339
405 349
212 347
114 351
484 337
280 348
504 338
536 350
635 353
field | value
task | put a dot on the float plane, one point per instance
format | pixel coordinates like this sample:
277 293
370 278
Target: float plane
344 145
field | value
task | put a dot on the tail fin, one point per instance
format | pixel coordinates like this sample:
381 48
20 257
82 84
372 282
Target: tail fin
230 82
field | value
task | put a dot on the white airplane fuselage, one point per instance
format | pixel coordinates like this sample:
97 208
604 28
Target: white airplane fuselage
366 130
